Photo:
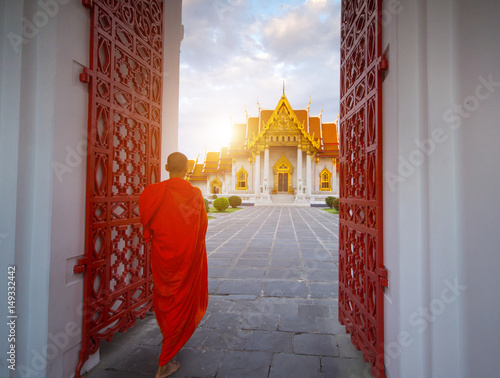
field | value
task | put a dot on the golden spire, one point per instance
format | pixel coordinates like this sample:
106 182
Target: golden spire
309 103
258 103
246 111
283 87
322 108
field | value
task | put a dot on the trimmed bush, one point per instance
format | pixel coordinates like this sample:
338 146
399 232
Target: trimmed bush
221 204
214 196
234 201
329 201
336 203
206 203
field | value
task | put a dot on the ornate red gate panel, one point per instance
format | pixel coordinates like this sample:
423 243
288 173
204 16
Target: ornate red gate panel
124 137
361 271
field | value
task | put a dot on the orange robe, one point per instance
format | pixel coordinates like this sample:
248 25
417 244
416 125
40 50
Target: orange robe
174 219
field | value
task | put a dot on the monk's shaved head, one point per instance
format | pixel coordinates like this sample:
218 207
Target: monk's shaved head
177 163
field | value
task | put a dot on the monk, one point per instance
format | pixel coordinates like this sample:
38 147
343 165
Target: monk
174 220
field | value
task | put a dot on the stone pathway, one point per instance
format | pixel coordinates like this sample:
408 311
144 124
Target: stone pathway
273 283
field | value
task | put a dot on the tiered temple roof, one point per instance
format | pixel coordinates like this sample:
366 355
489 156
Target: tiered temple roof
281 126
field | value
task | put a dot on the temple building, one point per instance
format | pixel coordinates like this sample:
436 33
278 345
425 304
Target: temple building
280 156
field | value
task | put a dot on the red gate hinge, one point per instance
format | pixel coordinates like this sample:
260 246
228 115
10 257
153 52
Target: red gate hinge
85 75
80 267
383 65
382 277
88 3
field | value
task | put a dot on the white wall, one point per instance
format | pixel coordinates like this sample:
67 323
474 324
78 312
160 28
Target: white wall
70 121
477 42
439 200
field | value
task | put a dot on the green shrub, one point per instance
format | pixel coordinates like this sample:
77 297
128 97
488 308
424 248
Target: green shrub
206 204
221 204
336 204
332 202
329 201
234 201
214 196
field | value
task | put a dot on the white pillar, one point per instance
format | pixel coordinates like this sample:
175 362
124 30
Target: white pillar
257 174
308 173
208 185
299 169
266 169
233 175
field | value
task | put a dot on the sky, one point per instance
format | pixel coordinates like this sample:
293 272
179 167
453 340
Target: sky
237 52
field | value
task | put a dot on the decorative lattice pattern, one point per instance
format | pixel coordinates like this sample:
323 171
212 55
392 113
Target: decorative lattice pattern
361 272
125 89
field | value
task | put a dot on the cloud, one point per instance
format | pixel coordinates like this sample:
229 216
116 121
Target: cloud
235 51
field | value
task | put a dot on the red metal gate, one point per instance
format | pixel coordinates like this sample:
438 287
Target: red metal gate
361 271
124 137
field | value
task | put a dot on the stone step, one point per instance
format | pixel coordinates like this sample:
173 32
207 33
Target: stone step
282 198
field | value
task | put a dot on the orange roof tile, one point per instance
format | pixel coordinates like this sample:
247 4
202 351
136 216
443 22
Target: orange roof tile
211 162
225 161
253 127
265 115
315 127
198 173
330 141
191 164
302 116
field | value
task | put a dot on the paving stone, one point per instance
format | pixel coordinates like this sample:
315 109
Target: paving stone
330 325
220 262
198 338
315 344
286 365
250 273
284 273
305 311
213 285
216 272
346 348
284 263
239 287
227 339
140 360
251 263
258 321
345 367
270 341
285 289
290 323
198 363
323 290
322 275
223 320
245 364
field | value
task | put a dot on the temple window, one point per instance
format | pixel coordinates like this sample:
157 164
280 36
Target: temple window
325 177
289 139
241 179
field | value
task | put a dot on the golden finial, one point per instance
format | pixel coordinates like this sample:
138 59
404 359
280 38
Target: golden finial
258 103
322 108
283 87
246 111
309 103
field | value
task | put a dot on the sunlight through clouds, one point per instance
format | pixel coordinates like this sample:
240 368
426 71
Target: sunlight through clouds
235 51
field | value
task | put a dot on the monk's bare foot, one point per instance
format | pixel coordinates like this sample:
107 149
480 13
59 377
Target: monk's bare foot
168 369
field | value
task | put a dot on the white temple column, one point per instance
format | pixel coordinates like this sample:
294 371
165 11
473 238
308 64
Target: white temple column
308 173
233 175
299 169
266 170
257 174
208 185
